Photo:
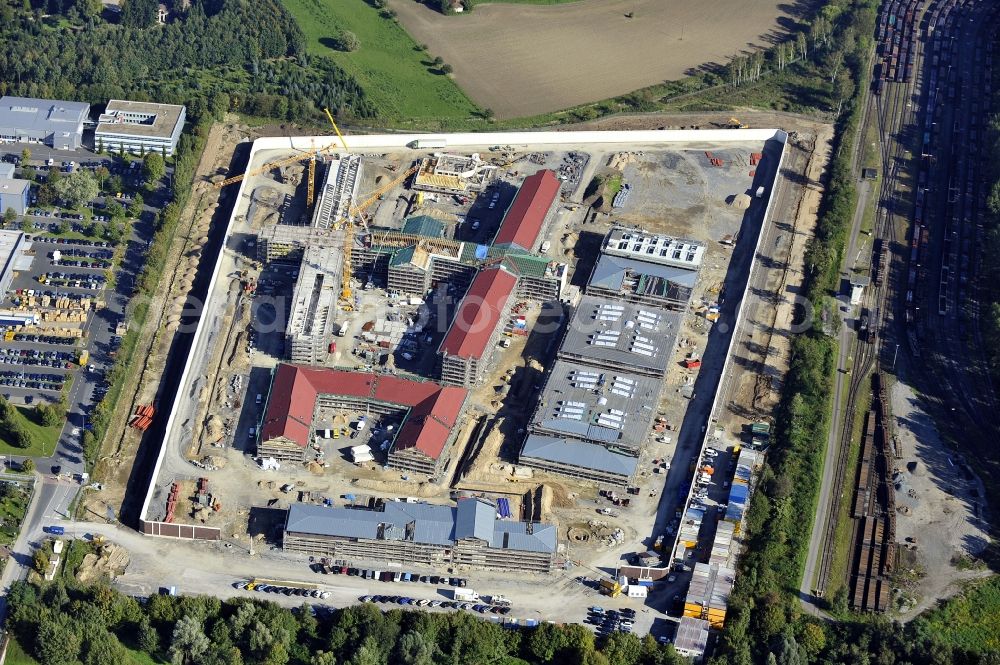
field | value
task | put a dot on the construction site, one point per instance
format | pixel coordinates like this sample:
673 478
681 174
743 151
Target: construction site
525 318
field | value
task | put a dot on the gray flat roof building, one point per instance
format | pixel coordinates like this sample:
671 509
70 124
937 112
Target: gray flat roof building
578 459
57 124
654 248
608 407
621 335
13 257
14 195
140 126
468 534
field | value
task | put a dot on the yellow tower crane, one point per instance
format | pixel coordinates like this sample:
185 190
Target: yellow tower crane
308 154
347 224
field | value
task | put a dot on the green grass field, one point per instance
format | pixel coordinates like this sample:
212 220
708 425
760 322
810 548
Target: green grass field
969 620
399 79
43 439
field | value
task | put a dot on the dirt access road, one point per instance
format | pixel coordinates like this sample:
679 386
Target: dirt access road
522 60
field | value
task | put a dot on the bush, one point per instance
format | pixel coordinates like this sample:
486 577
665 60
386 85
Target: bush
347 41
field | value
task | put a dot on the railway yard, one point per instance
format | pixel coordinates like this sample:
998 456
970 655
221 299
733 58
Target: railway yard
917 322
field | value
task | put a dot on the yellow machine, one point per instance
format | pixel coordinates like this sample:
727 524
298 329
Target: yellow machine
734 123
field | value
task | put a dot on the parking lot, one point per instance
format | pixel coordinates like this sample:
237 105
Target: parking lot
69 288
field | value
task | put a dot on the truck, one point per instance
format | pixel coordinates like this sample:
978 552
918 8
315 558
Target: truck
422 144
464 595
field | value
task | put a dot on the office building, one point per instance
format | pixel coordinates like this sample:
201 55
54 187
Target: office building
140 127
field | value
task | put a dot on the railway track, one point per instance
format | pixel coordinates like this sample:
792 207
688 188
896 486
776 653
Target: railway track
891 89
919 53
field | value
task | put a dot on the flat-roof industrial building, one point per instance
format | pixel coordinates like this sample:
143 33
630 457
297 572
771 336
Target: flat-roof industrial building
14 257
140 127
469 534
57 124
621 335
428 413
597 405
14 195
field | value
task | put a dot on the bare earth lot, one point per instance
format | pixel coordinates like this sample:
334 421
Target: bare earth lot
524 60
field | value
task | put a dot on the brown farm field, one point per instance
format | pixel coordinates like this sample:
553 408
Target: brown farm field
522 60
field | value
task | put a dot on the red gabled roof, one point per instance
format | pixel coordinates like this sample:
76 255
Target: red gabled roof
479 313
523 221
434 409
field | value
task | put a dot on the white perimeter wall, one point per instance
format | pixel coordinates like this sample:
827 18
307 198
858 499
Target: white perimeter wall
394 142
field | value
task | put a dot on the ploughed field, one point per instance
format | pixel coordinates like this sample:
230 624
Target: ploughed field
522 59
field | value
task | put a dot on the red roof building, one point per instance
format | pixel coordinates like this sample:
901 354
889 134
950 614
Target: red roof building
477 325
431 412
523 222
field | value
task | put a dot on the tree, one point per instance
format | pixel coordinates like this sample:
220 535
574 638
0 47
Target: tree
103 647
102 173
46 415
545 641
77 188
188 642
446 68
438 61
115 210
46 195
622 649
136 206
414 649
28 465
40 561
26 155
323 658
139 13
56 642
812 639
347 41
153 167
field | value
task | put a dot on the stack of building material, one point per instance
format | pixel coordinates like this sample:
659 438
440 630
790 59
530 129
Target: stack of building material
143 417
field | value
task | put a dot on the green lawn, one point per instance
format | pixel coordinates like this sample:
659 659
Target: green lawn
968 621
12 509
398 78
43 439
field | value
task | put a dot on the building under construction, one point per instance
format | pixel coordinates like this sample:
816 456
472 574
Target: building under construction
339 191
646 269
427 414
314 305
453 174
469 534
286 244
468 348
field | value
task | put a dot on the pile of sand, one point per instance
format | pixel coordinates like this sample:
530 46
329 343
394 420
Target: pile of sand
109 562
